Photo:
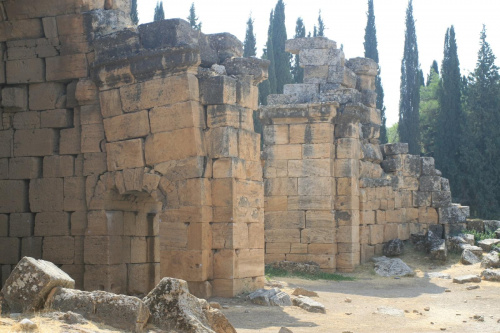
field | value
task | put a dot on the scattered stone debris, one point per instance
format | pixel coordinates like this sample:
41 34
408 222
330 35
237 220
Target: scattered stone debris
491 275
438 275
469 258
276 284
478 317
447 290
487 244
30 282
473 287
297 267
393 248
270 297
389 267
72 318
391 311
308 304
285 330
474 249
215 305
467 279
348 300
455 243
491 260
27 325
304 292
427 308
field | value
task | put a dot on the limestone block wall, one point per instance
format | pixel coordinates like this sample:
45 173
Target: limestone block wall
128 153
334 195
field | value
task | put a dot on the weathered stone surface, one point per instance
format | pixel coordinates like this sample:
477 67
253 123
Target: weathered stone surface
439 251
491 225
226 45
308 304
491 275
488 244
469 258
304 292
491 260
393 248
474 249
295 45
174 308
467 279
395 149
217 321
390 311
363 66
248 66
290 266
391 267
30 282
271 297
120 311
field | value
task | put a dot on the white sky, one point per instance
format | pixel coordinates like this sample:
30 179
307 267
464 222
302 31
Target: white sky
346 21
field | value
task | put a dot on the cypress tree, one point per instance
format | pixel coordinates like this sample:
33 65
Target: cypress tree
134 15
371 51
281 58
481 156
321 26
159 13
297 71
434 69
268 86
315 31
193 20
411 79
450 117
249 46
429 113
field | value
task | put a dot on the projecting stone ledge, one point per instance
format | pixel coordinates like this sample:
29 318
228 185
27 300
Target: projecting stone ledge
296 45
308 112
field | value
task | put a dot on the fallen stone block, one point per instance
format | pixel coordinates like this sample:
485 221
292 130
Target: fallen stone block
491 275
285 330
304 292
120 311
491 260
393 248
439 251
438 275
30 282
474 249
271 297
390 311
174 308
488 244
467 279
497 233
469 258
491 225
308 304
297 267
391 267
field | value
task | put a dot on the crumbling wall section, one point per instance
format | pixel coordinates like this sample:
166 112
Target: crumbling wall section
333 194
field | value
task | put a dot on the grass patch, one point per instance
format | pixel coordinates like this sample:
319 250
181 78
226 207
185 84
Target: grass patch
479 236
272 272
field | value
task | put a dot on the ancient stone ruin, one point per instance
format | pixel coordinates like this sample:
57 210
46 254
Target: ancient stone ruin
128 154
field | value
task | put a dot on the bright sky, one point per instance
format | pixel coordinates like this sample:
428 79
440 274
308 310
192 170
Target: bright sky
346 21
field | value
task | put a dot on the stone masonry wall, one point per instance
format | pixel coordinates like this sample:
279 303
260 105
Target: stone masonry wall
333 195
128 153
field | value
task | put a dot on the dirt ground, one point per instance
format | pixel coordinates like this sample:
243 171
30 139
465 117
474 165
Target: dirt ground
451 306
450 311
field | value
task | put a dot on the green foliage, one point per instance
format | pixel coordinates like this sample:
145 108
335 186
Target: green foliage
134 15
272 272
268 86
434 67
480 153
429 111
193 20
392 134
159 13
371 52
297 71
411 80
280 57
249 46
479 236
321 26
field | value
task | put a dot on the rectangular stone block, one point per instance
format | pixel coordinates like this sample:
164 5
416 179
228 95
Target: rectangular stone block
70 141
320 219
6 143
247 95
280 186
91 137
275 168
316 202
127 126
347 217
316 235
52 224
25 167
315 186
59 118
13 196
31 247
319 150
195 192
348 148
26 120
191 167
248 145
316 74
37 142
46 195
159 147
20 29
346 262
311 133
195 264
177 116
25 71
283 152
217 90
67 67
249 263
9 251
343 76
284 220
74 194
347 168
4 225
276 135
22 9
348 234
282 236
222 142
169 90
59 250
45 96
103 250
111 104
310 168
58 166
15 98
125 154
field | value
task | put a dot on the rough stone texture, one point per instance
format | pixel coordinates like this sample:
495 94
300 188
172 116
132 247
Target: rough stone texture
271 297
308 304
491 275
120 311
304 292
491 260
174 308
393 248
467 279
391 267
469 258
474 249
30 282
488 244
